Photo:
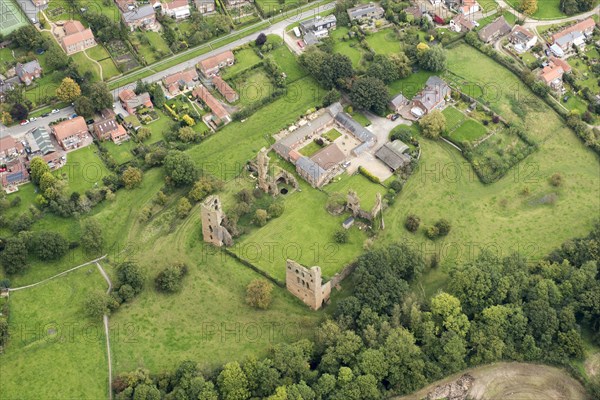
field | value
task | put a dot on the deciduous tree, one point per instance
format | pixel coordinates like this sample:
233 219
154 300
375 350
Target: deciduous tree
68 90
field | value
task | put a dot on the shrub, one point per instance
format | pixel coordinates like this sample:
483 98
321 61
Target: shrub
556 180
245 196
443 227
258 294
276 209
48 245
170 279
183 207
432 232
363 171
260 217
96 305
340 236
412 223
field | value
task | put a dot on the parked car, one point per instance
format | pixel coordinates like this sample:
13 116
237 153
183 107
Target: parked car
395 117
73 116
54 111
90 121
24 122
32 119
300 44
565 99
45 115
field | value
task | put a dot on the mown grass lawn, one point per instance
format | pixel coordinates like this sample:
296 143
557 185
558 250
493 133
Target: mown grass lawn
54 351
288 63
310 149
350 48
254 86
244 59
468 131
364 188
384 42
120 152
410 85
547 9
453 118
84 169
332 134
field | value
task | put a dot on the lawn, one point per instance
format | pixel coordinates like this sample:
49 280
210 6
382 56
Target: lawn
364 188
120 152
310 149
244 59
332 134
253 86
100 54
54 351
288 63
350 47
410 85
384 42
84 169
468 131
488 5
510 18
547 9
453 118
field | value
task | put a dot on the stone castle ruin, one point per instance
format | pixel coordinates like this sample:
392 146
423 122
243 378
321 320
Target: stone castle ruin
306 284
212 216
353 205
457 390
268 180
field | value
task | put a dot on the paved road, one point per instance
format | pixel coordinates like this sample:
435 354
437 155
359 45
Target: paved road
19 131
276 29
107 332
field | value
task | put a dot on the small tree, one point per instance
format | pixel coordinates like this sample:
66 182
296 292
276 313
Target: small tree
14 256
340 236
170 279
132 177
433 124
91 236
183 207
187 134
260 217
258 294
432 232
96 305
412 223
443 226
276 209
68 90
143 134
260 39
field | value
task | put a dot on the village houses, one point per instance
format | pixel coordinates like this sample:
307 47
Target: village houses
70 133
212 65
29 71
77 38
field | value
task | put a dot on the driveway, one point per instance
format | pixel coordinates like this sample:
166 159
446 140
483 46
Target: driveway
19 131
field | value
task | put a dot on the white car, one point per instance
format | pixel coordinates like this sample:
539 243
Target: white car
33 119
54 111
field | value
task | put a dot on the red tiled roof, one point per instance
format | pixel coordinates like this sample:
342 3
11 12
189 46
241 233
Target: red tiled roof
578 27
214 61
226 90
217 108
70 127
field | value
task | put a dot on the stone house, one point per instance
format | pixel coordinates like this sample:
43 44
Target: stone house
432 97
574 35
225 90
552 74
77 38
131 101
29 71
498 28
143 17
364 11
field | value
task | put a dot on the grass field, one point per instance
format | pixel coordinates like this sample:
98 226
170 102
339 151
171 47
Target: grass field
384 42
84 169
100 54
11 18
547 9
287 62
54 351
453 118
410 85
350 48
310 149
120 152
514 381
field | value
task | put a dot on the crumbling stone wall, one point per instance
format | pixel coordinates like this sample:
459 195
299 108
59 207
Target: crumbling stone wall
457 390
268 180
212 216
306 284
353 205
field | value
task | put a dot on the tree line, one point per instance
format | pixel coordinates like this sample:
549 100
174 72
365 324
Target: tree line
383 340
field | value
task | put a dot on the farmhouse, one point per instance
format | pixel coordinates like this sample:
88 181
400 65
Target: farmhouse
552 74
29 71
219 113
460 23
178 9
77 38
498 28
143 17
225 90
574 35
205 6
392 154
39 142
132 101
182 80
108 128
212 65
371 10
522 39
70 133
432 97
317 28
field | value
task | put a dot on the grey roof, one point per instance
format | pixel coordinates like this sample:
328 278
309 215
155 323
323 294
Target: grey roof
335 108
328 157
317 23
398 100
29 67
391 155
498 27
359 131
435 91
313 171
41 141
568 38
138 13
310 39
362 10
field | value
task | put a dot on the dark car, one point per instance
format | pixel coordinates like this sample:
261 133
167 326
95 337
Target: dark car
395 117
45 115
90 121
565 99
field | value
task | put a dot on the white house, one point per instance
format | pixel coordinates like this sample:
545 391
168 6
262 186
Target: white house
178 9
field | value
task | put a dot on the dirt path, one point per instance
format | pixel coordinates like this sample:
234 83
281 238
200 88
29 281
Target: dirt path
106 332
514 381
97 63
57 275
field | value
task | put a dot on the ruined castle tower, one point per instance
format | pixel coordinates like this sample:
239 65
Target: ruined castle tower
306 284
212 219
262 164
353 203
377 209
